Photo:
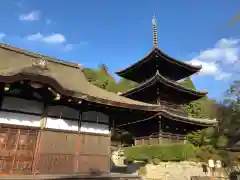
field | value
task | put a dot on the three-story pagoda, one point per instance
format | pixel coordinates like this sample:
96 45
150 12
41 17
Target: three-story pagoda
157 75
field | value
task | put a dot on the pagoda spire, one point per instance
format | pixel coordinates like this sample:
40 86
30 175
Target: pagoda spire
155 34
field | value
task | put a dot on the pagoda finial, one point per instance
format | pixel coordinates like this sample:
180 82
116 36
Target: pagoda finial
155 37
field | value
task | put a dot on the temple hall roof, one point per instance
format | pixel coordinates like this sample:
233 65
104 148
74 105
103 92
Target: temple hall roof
67 78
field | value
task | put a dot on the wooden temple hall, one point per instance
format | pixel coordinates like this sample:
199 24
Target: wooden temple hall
157 76
52 120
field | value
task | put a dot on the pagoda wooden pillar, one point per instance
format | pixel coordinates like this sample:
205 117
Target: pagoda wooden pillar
160 130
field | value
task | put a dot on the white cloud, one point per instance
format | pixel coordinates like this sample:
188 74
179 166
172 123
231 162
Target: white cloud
54 38
35 37
221 60
2 35
32 16
51 39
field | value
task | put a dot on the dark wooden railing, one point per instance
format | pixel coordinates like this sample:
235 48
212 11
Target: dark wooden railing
162 138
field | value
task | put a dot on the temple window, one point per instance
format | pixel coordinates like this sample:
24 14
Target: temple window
63 112
95 116
22 105
95 122
62 117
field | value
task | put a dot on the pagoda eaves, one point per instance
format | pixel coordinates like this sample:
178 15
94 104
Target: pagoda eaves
189 120
161 84
158 60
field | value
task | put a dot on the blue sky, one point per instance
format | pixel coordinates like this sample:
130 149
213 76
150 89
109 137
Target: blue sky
119 33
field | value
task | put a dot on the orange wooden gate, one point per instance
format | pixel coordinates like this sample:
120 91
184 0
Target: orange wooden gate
17 146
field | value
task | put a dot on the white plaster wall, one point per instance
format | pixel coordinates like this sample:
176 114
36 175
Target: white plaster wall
11 103
53 123
62 124
94 128
66 112
19 119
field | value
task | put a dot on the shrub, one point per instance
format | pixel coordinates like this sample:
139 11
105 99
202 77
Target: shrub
171 152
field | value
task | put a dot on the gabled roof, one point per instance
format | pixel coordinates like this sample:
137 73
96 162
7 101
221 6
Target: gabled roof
185 69
67 78
158 78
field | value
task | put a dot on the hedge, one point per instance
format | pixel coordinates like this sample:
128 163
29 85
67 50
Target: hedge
171 152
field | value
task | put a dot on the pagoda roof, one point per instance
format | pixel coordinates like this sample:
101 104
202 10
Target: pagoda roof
158 78
189 120
158 60
67 78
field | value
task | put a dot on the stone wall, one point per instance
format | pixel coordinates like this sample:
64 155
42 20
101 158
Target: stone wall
167 170
179 171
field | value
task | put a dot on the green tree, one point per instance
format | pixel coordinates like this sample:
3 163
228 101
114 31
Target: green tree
229 114
214 142
202 137
187 83
125 84
201 108
101 78
195 109
103 68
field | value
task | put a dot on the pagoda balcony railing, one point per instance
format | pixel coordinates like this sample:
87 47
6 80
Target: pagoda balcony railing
173 108
161 138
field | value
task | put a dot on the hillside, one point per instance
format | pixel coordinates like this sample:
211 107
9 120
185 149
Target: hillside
101 78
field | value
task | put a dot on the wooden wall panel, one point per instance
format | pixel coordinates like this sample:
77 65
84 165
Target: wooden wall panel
66 152
17 149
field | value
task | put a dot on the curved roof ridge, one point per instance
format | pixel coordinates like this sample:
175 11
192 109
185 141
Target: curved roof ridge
189 119
37 55
141 61
178 61
158 76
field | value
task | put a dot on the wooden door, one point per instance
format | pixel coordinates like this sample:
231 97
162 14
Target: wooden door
17 146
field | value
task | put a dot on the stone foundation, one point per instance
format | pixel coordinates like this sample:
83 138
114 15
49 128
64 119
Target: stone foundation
179 171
